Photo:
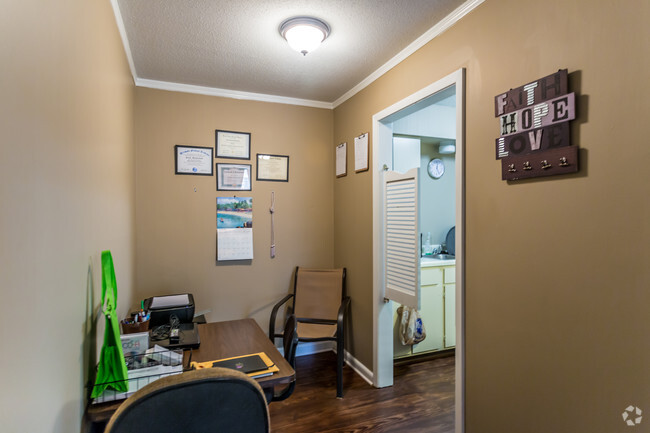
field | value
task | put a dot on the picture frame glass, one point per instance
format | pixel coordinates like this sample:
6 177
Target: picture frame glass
272 167
233 144
233 177
193 160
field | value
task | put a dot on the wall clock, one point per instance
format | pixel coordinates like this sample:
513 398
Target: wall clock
436 168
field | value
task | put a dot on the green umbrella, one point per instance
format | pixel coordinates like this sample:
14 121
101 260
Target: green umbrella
111 370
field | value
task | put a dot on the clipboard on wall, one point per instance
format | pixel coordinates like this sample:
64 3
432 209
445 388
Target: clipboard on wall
361 153
342 160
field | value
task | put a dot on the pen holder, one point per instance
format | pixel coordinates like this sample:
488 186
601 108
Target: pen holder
130 327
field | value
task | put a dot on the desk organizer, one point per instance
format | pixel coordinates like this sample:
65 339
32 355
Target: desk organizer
133 327
142 370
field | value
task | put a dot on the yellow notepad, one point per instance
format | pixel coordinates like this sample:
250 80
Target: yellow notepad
272 368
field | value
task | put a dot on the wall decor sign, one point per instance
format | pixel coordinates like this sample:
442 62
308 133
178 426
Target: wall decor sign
193 160
534 130
233 177
272 167
233 144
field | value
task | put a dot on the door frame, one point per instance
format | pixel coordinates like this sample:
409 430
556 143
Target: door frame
382 311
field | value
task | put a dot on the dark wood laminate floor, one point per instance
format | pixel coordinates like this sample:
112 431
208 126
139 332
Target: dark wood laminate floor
421 399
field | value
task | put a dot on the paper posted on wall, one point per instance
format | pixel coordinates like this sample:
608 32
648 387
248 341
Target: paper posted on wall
234 228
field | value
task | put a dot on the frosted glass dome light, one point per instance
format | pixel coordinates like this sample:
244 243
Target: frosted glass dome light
304 34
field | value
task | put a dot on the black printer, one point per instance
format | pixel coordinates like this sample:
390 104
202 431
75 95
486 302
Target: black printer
161 308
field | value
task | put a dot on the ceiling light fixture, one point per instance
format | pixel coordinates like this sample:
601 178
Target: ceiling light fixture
304 34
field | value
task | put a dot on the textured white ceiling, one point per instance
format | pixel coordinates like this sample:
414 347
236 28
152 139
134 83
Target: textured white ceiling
235 45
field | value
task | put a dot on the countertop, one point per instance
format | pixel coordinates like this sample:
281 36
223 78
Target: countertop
428 262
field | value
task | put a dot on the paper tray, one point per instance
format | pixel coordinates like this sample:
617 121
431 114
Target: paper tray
151 368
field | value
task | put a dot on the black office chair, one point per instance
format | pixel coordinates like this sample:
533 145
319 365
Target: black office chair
289 343
321 306
199 401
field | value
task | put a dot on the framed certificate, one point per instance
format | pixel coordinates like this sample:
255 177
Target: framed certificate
233 144
272 167
193 160
233 177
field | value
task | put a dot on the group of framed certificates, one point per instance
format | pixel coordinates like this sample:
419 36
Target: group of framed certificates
197 160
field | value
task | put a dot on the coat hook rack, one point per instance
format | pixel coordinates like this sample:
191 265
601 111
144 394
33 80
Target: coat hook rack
537 165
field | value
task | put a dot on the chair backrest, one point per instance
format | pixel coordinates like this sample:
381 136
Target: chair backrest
290 339
318 292
199 401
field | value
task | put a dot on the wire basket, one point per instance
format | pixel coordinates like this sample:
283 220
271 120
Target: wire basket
142 369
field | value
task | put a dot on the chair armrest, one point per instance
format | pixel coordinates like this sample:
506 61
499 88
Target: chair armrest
345 306
274 313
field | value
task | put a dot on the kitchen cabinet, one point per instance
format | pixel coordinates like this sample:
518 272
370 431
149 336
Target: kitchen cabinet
431 307
437 309
449 288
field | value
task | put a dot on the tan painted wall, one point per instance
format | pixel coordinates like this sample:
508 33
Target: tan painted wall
177 226
556 279
66 194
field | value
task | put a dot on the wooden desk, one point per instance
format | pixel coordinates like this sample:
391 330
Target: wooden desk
221 340
236 338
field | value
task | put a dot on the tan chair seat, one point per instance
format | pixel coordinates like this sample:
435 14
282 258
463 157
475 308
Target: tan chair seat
311 330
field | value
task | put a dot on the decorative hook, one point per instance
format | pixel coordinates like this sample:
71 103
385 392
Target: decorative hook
511 168
564 162
527 166
545 164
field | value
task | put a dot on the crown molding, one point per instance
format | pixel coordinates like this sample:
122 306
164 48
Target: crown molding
233 94
429 35
433 32
125 40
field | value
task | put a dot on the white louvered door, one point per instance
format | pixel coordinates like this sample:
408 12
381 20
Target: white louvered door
402 237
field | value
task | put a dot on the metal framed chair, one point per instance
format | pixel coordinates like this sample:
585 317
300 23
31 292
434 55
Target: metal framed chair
320 305
199 401
289 343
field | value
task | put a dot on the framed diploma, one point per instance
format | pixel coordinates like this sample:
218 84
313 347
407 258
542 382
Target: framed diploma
272 167
233 144
233 177
193 160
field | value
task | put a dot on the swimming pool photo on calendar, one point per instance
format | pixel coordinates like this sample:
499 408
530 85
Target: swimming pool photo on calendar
234 212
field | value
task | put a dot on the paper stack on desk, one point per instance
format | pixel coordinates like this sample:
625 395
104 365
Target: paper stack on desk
254 365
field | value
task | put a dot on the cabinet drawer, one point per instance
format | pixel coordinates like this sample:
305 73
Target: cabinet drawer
450 275
429 276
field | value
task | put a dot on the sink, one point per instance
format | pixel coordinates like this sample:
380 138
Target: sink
442 257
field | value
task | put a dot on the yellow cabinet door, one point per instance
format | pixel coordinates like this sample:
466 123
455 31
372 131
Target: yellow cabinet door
432 318
450 315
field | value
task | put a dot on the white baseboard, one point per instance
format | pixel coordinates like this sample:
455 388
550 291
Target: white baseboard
359 368
304 349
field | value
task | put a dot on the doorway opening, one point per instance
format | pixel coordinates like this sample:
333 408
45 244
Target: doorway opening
386 125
